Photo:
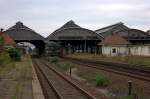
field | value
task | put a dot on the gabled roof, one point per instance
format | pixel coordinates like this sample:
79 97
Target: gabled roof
21 32
20 25
111 27
7 39
132 33
114 39
71 31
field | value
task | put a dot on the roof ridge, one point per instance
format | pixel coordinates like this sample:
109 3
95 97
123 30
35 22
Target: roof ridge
19 25
68 24
118 23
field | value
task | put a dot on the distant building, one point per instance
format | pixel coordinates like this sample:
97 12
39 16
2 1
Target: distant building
134 36
115 44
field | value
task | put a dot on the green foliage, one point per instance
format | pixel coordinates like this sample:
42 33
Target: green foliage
102 80
14 53
54 59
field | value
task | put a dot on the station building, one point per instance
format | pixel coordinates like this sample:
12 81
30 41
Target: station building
74 38
23 34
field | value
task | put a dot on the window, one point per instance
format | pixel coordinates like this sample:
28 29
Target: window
114 50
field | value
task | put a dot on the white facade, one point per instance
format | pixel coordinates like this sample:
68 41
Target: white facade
115 50
143 50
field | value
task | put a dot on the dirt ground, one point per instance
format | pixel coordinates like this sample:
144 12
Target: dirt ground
15 80
118 86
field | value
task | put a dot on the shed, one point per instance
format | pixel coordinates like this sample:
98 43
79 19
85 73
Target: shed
114 44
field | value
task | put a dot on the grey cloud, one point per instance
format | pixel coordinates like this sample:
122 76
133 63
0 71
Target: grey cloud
44 16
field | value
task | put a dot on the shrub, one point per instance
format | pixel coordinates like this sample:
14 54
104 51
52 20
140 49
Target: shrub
14 53
54 60
102 80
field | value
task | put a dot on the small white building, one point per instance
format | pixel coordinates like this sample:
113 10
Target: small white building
114 45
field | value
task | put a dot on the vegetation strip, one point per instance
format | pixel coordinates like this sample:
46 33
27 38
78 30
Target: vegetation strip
133 61
131 73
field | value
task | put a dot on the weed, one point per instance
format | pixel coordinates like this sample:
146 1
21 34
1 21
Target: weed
54 59
64 66
102 80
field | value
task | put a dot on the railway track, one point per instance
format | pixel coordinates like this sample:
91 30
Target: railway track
55 85
141 74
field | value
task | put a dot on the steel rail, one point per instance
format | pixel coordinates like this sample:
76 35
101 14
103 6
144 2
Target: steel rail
38 69
68 80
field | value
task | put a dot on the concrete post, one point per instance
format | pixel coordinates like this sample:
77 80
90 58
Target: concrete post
129 87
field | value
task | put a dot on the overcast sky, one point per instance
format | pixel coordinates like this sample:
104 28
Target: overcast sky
44 16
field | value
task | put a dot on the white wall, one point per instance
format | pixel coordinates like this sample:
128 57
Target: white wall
143 50
120 50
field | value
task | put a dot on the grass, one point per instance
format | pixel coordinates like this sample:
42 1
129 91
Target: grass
117 85
54 59
20 72
23 74
65 66
61 64
6 66
18 91
134 60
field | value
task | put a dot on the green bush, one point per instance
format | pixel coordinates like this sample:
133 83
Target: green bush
14 53
102 80
54 60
